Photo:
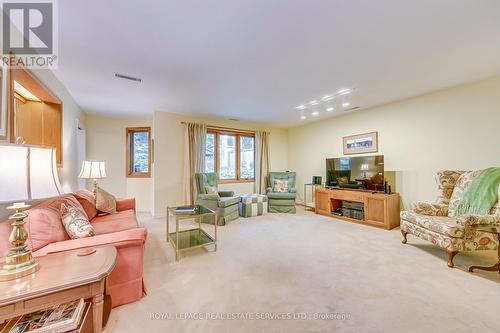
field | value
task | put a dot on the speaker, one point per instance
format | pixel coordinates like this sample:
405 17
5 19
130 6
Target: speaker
316 180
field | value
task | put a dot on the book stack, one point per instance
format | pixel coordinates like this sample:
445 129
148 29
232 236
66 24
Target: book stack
186 210
64 317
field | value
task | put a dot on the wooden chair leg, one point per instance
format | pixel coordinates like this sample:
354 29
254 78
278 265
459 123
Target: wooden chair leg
451 255
404 233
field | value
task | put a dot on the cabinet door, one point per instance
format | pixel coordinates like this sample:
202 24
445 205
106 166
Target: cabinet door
322 202
375 210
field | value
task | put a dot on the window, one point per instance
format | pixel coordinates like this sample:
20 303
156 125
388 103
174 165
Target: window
210 153
231 155
138 152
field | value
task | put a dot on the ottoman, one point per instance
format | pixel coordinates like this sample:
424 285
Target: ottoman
252 205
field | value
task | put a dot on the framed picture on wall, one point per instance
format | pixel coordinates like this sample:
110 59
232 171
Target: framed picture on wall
3 102
361 143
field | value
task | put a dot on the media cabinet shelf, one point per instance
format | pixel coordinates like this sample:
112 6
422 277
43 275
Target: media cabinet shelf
380 210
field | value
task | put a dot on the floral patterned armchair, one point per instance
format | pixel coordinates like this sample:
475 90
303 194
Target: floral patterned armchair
439 223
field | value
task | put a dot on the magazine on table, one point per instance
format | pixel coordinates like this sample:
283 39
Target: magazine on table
186 210
57 319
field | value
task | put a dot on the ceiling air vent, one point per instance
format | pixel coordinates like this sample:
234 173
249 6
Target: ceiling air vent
352 109
127 77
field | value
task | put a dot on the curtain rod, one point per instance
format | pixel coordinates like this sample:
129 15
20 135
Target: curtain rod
226 128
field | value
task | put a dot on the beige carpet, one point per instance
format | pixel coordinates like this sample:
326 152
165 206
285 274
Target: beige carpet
305 265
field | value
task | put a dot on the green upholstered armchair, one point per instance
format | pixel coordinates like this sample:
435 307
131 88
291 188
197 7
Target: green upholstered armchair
224 203
281 202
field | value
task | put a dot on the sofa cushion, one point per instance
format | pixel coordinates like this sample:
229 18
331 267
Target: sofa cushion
87 199
446 181
106 224
44 227
440 224
461 186
281 202
282 196
226 202
425 208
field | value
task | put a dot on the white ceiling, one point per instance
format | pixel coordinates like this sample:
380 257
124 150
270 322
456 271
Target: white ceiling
256 60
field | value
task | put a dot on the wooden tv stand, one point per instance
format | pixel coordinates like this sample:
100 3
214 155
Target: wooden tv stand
380 209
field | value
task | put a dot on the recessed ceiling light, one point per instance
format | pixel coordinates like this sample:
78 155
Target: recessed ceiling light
303 117
301 107
330 109
344 91
313 102
314 113
346 102
327 97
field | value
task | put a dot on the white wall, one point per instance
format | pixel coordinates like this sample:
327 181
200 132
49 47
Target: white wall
106 141
169 152
456 128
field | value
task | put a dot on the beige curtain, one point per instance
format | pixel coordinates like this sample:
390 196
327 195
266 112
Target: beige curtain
195 136
261 161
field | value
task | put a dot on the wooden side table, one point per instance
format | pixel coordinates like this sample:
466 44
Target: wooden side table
62 277
496 231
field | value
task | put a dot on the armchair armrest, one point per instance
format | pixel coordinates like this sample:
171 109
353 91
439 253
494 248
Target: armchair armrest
225 194
125 204
425 208
212 197
121 239
269 189
469 220
292 190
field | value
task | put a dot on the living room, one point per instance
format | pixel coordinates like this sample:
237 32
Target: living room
250 165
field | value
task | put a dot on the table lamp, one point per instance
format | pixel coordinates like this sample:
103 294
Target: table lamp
26 173
93 170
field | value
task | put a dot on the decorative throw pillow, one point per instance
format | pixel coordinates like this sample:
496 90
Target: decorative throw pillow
76 223
461 186
105 202
211 190
343 181
280 186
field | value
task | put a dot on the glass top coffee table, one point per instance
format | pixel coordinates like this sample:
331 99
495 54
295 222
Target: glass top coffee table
183 240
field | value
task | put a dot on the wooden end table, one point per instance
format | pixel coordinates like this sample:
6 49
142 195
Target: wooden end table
63 277
496 267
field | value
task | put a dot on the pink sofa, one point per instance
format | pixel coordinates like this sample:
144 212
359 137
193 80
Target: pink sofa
46 234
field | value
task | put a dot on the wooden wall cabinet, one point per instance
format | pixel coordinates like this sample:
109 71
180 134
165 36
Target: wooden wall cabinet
37 122
380 209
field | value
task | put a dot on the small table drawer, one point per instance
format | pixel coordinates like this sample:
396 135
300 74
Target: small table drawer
349 196
7 309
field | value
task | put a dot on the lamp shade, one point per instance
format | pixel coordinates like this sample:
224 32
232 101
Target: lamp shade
92 170
365 167
28 173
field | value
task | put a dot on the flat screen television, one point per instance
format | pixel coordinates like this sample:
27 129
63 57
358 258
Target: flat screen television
357 173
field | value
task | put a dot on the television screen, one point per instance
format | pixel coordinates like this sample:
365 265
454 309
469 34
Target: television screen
360 172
